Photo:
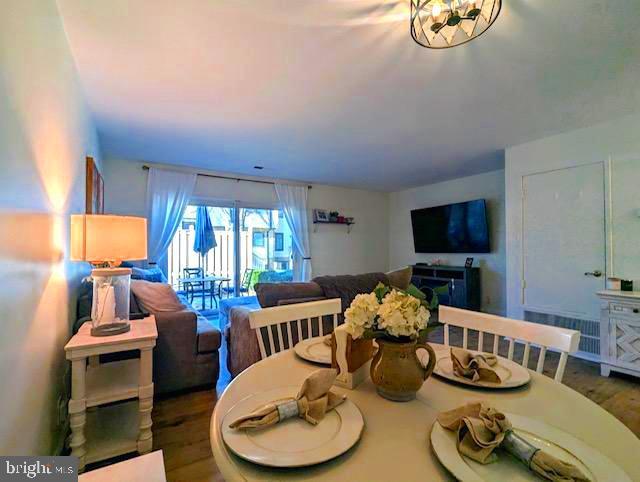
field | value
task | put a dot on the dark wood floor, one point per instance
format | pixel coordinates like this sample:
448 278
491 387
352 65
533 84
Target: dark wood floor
181 430
181 423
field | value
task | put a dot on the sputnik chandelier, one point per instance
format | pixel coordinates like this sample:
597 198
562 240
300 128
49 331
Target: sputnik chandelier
441 24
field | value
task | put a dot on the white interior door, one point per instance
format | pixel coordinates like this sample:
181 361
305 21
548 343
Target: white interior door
564 252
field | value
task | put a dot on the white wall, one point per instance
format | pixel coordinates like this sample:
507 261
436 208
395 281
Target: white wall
366 248
45 134
625 217
334 251
617 141
489 186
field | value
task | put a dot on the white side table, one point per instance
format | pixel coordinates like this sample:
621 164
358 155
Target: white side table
115 429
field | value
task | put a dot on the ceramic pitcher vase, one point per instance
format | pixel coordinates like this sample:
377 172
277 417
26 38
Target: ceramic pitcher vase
396 370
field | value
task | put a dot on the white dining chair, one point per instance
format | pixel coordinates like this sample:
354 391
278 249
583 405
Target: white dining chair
515 331
310 313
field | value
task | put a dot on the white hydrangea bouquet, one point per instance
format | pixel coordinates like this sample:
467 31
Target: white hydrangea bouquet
390 313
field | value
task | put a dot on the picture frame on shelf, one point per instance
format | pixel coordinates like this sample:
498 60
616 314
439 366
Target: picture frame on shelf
320 216
468 263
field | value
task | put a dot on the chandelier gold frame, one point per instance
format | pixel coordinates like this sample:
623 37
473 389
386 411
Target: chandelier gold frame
442 24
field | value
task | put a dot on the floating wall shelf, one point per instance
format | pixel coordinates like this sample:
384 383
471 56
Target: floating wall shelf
315 225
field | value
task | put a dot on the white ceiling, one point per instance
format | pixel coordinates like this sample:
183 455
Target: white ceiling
336 91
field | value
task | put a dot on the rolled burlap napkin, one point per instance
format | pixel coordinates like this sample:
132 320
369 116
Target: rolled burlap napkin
481 429
478 367
313 401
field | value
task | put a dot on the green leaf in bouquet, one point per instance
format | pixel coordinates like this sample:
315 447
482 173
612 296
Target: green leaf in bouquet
430 305
381 291
414 291
442 290
418 293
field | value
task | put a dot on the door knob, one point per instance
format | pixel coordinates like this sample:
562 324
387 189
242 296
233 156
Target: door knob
596 273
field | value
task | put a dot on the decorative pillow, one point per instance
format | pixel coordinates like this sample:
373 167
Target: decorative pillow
154 275
400 278
156 297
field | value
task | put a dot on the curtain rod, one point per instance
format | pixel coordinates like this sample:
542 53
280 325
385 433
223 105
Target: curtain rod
230 178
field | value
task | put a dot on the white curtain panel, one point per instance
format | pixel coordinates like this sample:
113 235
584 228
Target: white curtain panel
168 195
293 200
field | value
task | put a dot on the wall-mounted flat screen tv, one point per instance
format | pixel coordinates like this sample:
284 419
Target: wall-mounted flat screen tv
454 228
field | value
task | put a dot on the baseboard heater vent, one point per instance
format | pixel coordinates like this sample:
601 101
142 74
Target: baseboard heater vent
590 330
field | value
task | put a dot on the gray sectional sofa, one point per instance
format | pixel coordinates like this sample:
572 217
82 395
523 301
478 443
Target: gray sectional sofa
242 344
187 350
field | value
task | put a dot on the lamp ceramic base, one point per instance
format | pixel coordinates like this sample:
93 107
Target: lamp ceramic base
111 329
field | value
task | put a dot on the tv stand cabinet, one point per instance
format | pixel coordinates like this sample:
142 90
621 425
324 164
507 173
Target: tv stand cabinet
462 284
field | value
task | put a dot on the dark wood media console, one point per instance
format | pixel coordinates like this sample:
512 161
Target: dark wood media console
463 284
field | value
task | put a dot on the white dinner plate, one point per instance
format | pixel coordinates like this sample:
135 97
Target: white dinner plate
314 350
596 466
512 374
293 442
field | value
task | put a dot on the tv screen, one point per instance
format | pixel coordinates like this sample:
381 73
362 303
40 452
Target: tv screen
454 228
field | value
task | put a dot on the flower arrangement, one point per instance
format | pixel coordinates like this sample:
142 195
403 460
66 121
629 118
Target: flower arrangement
390 313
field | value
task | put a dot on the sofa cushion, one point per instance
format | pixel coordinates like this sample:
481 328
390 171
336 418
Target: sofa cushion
177 362
346 287
269 294
400 278
242 344
227 304
209 338
156 297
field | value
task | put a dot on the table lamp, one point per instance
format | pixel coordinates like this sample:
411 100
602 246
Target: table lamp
105 241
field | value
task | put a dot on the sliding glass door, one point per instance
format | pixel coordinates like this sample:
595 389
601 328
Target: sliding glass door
184 260
251 245
265 251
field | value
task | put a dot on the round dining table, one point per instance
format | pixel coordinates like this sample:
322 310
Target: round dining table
395 444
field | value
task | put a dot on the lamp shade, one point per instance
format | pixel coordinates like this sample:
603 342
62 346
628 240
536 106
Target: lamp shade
105 238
